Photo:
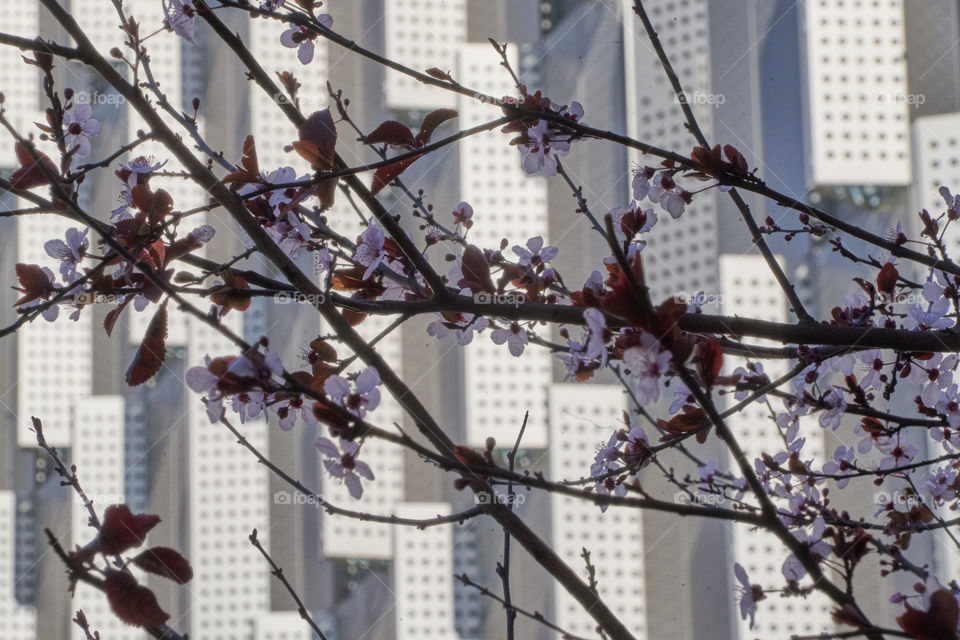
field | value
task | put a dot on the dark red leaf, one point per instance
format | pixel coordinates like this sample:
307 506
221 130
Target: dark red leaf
122 529
34 282
165 562
939 623
251 166
29 174
385 175
469 457
318 140
133 603
114 314
433 120
476 271
152 351
887 279
391 132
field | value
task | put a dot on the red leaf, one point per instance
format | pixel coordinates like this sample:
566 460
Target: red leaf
887 279
386 174
939 623
29 174
165 562
251 166
34 282
391 132
122 530
152 351
113 315
133 603
318 140
476 271
469 457
433 120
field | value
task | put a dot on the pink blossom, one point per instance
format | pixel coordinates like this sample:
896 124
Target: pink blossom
342 463
370 252
749 594
647 362
69 253
79 127
514 335
535 254
180 17
359 399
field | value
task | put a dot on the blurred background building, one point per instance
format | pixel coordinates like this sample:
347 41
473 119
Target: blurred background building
821 97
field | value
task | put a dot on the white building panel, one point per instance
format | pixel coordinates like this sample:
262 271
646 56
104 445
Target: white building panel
507 204
99 453
228 498
19 82
54 358
936 163
422 34
680 254
288 625
423 564
857 102
582 418
750 290
19 622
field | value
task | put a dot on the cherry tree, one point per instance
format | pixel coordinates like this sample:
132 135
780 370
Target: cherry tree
898 334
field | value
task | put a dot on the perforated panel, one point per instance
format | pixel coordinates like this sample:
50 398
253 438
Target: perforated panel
19 622
98 451
857 122
750 290
507 204
228 498
422 34
582 418
422 569
681 254
54 358
936 159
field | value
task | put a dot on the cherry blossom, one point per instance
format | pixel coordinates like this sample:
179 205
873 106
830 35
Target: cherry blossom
749 594
370 252
180 17
836 406
360 398
69 252
668 194
930 318
515 337
463 214
79 126
842 463
647 362
341 462
463 327
545 141
897 453
535 254
641 182
301 38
